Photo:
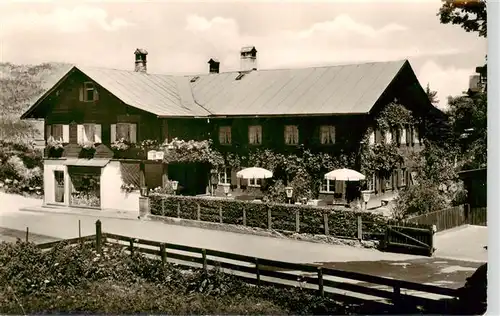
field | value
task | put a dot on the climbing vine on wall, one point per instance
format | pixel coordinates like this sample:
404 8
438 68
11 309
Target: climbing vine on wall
385 157
180 151
394 116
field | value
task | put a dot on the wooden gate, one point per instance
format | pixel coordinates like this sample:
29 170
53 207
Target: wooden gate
414 238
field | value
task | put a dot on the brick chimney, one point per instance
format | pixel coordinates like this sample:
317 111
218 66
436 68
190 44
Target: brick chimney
214 65
140 60
248 58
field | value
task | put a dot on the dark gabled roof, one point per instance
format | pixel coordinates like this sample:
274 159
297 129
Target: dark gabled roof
345 89
248 49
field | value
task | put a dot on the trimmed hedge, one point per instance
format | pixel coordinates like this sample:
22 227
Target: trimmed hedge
341 222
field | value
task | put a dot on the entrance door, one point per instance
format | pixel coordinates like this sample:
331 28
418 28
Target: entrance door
59 186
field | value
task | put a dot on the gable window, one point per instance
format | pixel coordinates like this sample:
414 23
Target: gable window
328 186
89 133
327 134
225 135
57 132
225 176
254 182
125 131
255 135
291 135
88 92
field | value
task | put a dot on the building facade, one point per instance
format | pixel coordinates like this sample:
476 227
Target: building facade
94 116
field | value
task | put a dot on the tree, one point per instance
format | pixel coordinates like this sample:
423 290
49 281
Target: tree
470 15
432 95
468 118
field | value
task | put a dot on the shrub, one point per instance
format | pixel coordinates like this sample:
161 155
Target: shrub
341 222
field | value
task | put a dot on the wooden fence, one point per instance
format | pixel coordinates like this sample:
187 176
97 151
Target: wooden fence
352 287
452 217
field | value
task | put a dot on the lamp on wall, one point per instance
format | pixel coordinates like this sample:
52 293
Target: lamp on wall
289 193
174 186
366 197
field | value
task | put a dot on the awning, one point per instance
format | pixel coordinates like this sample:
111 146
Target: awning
95 162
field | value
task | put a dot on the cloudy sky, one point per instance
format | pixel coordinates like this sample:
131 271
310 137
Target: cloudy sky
182 36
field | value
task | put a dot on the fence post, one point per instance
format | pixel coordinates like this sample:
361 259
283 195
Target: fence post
467 213
360 228
325 219
204 257
98 236
179 210
297 221
198 211
220 215
257 270
144 206
269 218
27 234
163 254
244 217
321 289
79 229
397 295
131 246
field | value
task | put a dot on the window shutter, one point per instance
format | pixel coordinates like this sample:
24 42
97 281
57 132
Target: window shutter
133 133
113 133
80 134
371 139
48 132
81 95
96 94
97 133
65 134
388 137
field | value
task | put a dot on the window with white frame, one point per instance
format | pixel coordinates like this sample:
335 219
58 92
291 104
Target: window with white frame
255 135
57 132
371 182
225 135
402 178
125 131
88 93
291 135
225 176
416 137
403 135
328 186
89 133
254 182
327 134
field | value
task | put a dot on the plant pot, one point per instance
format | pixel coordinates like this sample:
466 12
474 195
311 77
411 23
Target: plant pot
55 152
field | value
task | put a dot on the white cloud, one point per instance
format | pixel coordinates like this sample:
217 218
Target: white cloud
447 82
345 24
76 20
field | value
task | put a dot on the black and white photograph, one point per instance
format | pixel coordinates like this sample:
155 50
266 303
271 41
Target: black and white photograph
245 157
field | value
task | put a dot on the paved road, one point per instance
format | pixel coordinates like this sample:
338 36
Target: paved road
463 243
66 226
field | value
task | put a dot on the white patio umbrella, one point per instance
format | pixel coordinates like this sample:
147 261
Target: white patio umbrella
344 175
254 173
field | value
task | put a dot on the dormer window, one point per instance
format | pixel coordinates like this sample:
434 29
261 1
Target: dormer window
88 93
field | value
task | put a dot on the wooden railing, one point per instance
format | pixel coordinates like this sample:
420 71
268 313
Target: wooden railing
341 285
